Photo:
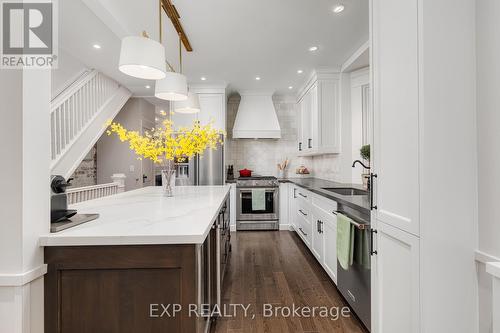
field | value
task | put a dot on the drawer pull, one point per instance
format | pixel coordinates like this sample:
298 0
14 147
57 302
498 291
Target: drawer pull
302 195
302 212
302 231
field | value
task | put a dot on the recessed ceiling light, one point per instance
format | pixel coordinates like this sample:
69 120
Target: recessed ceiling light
300 71
148 86
338 8
96 46
290 87
257 78
203 78
313 48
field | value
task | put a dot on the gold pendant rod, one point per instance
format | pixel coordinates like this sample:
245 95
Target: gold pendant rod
180 54
160 20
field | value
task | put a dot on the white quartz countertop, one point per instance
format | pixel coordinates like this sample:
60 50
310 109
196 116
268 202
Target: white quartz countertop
145 216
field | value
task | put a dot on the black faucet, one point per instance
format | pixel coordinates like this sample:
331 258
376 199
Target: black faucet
366 167
358 161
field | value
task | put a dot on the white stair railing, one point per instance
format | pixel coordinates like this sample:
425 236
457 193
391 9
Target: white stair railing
77 118
80 194
75 108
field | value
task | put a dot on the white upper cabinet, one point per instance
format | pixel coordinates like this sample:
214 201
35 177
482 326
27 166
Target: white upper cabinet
213 108
396 112
319 128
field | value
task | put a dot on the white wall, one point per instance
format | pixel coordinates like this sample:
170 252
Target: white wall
24 200
488 123
69 69
488 138
114 156
359 79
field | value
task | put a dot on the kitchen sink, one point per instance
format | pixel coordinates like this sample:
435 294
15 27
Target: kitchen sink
346 191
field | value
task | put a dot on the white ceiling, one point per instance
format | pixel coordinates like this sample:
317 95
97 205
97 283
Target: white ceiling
233 40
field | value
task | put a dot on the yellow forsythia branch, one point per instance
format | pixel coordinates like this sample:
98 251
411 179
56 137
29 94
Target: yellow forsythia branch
163 144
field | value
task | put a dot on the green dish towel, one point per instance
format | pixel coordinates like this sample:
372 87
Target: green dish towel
345 240
258 199
362 248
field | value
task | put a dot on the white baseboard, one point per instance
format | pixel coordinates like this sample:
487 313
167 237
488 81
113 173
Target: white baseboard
285 227
17 280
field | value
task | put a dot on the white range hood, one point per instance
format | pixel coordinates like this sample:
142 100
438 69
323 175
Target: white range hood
256 117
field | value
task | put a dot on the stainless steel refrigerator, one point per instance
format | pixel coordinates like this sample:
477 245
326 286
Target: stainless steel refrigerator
202 170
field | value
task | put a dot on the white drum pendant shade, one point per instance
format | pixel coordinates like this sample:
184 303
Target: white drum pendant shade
143 58
172 88
190 105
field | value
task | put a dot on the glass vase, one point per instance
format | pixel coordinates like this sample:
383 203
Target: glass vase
168 182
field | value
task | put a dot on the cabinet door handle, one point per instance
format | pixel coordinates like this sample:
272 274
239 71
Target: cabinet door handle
309 143
372 177
319 226
372 251
294 193
302 231
302 212
302 195
300 146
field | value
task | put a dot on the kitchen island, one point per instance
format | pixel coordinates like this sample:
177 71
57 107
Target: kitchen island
149 263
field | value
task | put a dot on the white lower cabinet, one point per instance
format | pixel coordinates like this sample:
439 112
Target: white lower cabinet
304 224
395 281
318 242
292 204
330 247
283 206
312 218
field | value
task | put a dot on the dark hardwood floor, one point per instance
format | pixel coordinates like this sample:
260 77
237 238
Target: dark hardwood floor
276 268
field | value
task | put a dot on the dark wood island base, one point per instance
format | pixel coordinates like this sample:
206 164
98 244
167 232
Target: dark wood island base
136 288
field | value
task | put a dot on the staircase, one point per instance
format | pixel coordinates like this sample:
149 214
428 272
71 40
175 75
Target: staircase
78 116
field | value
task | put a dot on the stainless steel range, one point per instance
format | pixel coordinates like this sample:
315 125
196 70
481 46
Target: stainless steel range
257 205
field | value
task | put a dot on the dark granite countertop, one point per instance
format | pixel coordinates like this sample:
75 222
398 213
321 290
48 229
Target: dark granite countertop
360 203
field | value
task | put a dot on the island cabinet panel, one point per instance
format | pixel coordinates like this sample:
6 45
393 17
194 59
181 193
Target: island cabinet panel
92 289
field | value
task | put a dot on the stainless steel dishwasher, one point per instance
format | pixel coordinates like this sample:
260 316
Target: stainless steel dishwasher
355 282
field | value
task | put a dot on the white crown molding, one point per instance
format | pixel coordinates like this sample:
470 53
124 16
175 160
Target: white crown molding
352 59
320 74
256 92
284 98
201 88
17 280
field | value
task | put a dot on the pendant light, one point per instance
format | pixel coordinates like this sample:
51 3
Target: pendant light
173 87
142 57
192 103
